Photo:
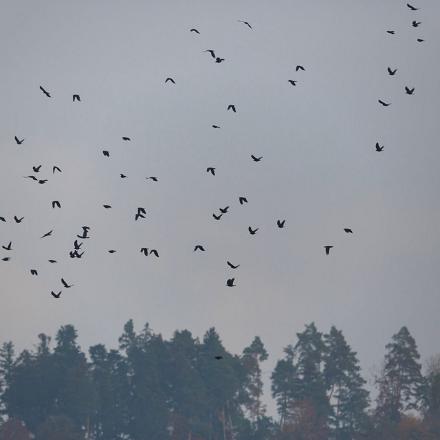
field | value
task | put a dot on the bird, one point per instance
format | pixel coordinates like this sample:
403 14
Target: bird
170 80
18 220
142 210
230 282
34 272
76 245
52 261
256 159
76 98
392 72
140 213
416 23
138 216
75 254
56 203
280 223
217 217
246 23
215 126
232 107
42 181
85 232
55 168
199 247
126 138
413 8
232 266
45 92
211 170
107 206
298 67
224 210
385 104
194 30
391 32
123 176
154 252
111 251
56 295
67 286
18 141
31 177
144 251
242 200
47 234
409 91
211 52
6 259
219 60
327 249
3 219
420 40
153 178
252 231
8 247
293 82
218 357
106 153
348 230
36 169
379 148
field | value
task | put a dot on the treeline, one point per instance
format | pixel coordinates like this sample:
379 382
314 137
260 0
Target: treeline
187 389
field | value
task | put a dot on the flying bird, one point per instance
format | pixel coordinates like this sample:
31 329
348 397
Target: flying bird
154 252
123 176
224 210
153 178
242 200
56 295
76 245
111 251
348 230
409 91
6 259
256 159
232 266
45 91
47 234
391 32
413 8
106 153
194 30
107 206
36 169
67 286
18 220
392 72
219 60
144 251
230 282
18 141
42 181
385 104
31 177
217 217
170 80
215 126
76 98
211 52
34 272
280 223
126 138
327 249
52 261
293 82
298 67
56 203
2 219
246 23
252 231
8 247
416 23
55 168
232 107
211 170
199 247
420 40
379 148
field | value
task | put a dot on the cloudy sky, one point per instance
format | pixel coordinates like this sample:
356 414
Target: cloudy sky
319 170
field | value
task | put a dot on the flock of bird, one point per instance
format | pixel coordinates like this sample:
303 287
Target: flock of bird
78 251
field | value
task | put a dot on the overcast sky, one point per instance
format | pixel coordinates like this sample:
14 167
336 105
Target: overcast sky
319 169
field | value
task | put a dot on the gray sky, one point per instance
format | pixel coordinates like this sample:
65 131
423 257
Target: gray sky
319 170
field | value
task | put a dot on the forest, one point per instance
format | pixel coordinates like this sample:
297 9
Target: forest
185 388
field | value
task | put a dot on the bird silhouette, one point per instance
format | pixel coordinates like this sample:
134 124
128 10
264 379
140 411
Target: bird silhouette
293 82
211 170
217 217
327 249
232 107
85 233
31 177
55 168
106 153
42 181
385 104
199 247
392 72
420 40
230 282
194 30
232 266
107 206
76 245
34 272
8 247
36 169
413 8
47 234
56 295
111 251
409 91
154 252
348 230
218 357
52 261
391 32
170 80
215 126
219 60
153 178
67 286
18 220
252 231
18 141
56 203
256 159
144 251
378 147
3 219
298 67
126 138
211 52
75 254
280 223
123 176
246 23
416 23
242 200
224 210
6 259
76 98
45 91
